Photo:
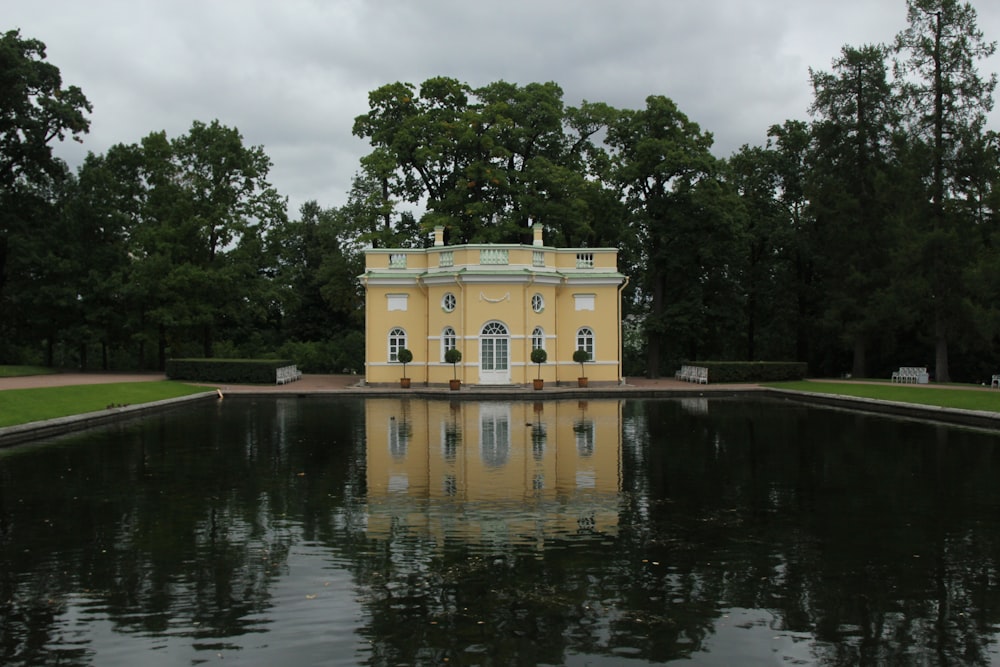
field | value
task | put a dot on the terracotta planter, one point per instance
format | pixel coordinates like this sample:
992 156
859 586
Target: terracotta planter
404 383
455 384
538 383
581 382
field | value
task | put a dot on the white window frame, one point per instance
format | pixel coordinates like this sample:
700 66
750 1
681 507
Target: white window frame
449 339
585 340
537 338
396 342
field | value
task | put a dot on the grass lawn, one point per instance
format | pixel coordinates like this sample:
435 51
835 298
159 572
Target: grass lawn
944 396
17 371
21 406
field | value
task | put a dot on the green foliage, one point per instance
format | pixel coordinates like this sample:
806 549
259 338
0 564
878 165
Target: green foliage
404 356
453 356
36 268
234 371
539 356
752 371
20 371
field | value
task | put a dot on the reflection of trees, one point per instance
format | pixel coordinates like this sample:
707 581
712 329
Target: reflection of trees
876 538
173 527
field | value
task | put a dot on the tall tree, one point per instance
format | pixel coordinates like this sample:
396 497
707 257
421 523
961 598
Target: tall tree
766 285
791 144
482 162
35 111
198 248
947 105
669 178
856 113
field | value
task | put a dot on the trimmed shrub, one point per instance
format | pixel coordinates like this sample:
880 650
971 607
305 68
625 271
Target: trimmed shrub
236 371
753 371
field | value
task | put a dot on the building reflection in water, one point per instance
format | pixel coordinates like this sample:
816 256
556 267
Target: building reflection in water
493 472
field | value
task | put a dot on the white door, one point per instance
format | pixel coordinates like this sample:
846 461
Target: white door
494 354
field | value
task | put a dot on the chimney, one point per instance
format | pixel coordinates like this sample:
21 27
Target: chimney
438 236
537 229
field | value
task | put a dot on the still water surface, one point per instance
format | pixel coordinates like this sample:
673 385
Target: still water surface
324 531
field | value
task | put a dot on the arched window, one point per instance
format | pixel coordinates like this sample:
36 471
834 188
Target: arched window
397 341
585 340
537 339
448 340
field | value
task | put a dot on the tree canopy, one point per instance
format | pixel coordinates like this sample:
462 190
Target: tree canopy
859 240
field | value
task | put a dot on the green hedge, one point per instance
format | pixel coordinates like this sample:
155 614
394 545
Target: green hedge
235 371
753 371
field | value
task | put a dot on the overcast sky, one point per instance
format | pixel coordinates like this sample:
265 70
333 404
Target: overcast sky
292 75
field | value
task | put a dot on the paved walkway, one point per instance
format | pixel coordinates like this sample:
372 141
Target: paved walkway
318 384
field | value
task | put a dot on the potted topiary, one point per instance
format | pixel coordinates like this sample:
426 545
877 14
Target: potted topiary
539 356
453 356
404 357
581 356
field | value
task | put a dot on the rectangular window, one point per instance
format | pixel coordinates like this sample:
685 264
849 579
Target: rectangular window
397 260
446 258
584 260
537 258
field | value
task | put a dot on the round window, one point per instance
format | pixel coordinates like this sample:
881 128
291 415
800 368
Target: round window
537 303
448 302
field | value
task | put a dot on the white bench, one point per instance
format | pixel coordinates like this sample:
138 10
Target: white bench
911 375
697 374
286 374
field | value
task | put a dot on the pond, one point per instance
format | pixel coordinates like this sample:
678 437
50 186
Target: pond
333 531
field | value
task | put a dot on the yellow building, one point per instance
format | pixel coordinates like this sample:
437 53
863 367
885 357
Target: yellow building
494 303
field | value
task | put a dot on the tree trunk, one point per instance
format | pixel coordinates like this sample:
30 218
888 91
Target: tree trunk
859 369
752 324
206 341
941 372
654 339
161 352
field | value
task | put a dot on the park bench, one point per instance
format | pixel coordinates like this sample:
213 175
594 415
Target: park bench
911 375
286 374
697 374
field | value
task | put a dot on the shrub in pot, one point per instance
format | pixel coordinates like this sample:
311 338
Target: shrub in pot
453 356
581 356
404 357
539 356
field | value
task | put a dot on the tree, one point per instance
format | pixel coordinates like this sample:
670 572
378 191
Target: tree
762 251
482 162
857 112
682 217
35 110
198 247
316 276
947 102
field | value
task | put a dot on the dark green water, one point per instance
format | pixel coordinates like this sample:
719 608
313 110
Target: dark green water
258 532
